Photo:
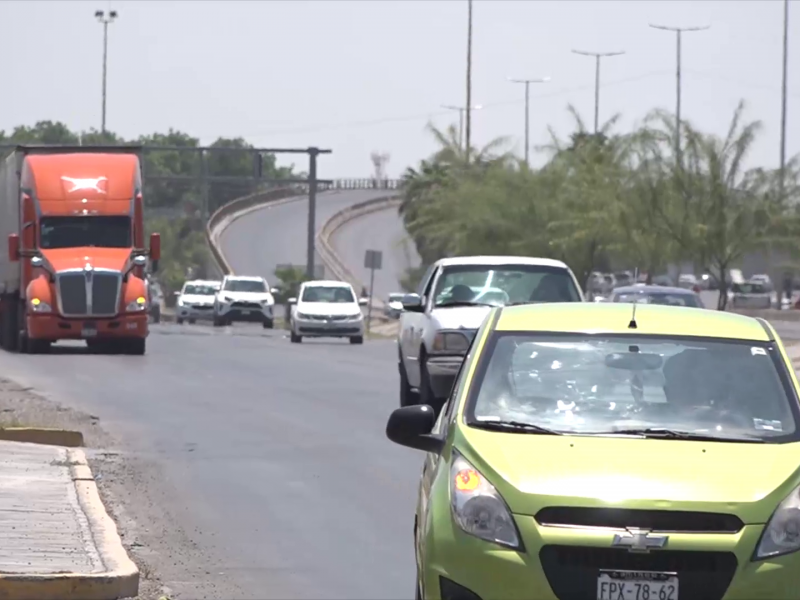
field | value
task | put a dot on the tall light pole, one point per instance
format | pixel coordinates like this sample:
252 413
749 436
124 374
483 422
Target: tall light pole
469 80
528 83
597 56
784 85
678 31
461 110
105 19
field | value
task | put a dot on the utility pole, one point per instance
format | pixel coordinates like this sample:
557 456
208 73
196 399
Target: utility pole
105 20
469 81
597 56
678 31
784 87
461 110
528 83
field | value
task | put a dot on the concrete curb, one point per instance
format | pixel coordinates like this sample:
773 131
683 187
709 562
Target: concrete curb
119 580
41 435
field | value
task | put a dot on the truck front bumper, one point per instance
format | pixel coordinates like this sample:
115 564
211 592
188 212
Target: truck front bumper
53 327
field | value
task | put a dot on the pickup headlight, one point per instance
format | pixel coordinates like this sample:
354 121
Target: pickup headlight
477 507
38 306
451 341
782 533
137 305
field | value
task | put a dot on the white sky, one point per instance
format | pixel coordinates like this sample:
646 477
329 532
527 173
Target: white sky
365 75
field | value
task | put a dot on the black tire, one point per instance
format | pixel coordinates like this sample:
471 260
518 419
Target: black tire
426 395
191 321
408 397
179 321
38 346
358 339
268 324
8 327
136 346
218 322
295 339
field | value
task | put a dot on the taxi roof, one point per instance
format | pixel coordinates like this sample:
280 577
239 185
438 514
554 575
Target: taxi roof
651 319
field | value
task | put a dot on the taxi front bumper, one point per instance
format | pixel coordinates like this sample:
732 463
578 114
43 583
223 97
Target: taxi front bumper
564 563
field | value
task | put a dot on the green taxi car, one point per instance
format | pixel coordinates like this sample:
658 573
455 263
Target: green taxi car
611 451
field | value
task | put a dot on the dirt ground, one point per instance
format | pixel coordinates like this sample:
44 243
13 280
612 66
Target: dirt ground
129 488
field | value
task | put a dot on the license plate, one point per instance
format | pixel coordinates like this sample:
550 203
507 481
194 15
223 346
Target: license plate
637 585
88 331
245 312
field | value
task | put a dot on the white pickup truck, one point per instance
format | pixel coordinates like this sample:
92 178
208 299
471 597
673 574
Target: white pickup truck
440 320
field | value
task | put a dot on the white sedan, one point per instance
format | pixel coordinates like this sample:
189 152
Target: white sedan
327 309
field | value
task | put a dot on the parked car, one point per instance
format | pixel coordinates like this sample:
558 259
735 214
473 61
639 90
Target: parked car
657 294
750 295
394 305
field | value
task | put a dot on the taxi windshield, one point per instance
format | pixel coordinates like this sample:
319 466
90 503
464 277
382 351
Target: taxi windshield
589 384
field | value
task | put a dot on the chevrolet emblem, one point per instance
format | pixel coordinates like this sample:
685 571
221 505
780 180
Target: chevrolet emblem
639 540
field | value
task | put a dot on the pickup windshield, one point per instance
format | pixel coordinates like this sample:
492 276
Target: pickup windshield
635 385
75 232
504 284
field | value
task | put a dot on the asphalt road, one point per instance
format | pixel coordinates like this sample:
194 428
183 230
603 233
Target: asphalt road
273 454
384 231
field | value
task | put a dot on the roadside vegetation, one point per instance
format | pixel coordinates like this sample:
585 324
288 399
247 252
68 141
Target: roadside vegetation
176 206
607 201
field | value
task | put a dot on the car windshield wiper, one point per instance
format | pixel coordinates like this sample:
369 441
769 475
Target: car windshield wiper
512 427
462 303
673 434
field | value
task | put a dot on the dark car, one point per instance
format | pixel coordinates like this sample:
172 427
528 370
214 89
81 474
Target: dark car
657 294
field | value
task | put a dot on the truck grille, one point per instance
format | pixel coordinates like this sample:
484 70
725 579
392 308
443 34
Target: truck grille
102 287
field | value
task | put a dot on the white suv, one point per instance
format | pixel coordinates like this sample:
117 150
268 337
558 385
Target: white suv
327 309
243 298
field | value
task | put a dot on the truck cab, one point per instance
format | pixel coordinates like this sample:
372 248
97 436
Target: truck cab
76 263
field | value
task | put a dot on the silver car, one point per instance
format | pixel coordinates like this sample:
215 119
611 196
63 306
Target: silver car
196 301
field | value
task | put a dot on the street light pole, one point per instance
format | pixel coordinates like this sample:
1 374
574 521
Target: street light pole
469 80
461 110
782 181
105 20
528 83
678 31
597 56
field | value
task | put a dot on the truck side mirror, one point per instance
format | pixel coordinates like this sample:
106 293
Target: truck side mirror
13 247
155 247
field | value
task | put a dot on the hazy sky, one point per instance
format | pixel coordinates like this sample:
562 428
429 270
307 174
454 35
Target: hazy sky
359 76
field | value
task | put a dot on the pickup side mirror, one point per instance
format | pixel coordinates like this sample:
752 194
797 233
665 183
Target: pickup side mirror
363 301
411 426
292 301
155 246
412 303
13 247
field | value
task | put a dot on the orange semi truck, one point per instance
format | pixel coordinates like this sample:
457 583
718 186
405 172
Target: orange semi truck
75 264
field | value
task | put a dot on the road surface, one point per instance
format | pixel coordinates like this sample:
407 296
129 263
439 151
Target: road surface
384 231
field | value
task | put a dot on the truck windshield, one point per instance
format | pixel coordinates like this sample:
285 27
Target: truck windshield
74 232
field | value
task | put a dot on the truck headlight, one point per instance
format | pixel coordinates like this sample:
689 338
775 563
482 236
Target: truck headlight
782 533
450 341
137 305
38 306
478 509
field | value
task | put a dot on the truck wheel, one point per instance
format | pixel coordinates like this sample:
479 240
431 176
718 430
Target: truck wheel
357 339
135 346
295 339
408 397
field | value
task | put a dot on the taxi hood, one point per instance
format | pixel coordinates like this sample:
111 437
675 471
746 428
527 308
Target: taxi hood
77 258
533 471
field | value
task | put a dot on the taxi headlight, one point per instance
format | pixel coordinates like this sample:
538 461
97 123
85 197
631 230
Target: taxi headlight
137 305
782 533
450 341
478 508
38 306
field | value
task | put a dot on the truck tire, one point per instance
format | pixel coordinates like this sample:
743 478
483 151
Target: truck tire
136 346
